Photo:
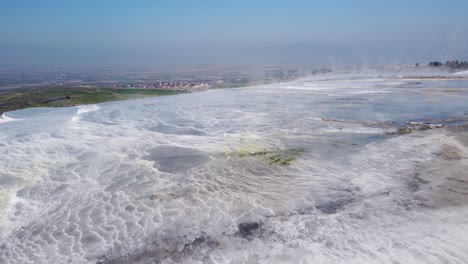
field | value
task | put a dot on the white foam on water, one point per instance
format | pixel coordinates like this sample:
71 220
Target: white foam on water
84 109
4 118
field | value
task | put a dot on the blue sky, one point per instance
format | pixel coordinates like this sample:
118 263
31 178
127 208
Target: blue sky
146 33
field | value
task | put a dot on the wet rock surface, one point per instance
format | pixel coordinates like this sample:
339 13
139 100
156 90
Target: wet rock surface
331 207
431 123
449 153
444 181
415 126
174 251
174 159
248 229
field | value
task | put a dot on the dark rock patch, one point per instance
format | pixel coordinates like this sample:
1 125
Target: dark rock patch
331 207
415 183
159 253
175 130
247 229
449 153
174 159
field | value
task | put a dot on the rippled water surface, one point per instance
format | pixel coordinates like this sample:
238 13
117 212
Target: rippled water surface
308 171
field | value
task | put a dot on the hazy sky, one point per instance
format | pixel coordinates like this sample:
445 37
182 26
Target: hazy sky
146 33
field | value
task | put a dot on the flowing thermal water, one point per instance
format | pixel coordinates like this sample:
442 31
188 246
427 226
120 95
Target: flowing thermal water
297 172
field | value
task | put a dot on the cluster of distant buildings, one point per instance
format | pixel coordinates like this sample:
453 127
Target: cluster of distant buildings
121 81
201 84
176 84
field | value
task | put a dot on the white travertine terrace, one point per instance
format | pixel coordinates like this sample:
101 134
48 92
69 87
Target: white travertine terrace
194 178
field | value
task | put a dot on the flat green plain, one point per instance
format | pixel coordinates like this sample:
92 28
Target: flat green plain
72 96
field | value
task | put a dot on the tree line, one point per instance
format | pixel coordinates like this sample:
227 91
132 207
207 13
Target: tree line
450 64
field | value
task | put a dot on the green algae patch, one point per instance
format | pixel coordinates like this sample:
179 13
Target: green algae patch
280 157
253 153
247 152
285 157
280 160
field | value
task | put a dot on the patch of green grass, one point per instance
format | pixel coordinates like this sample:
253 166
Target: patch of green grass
71 96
